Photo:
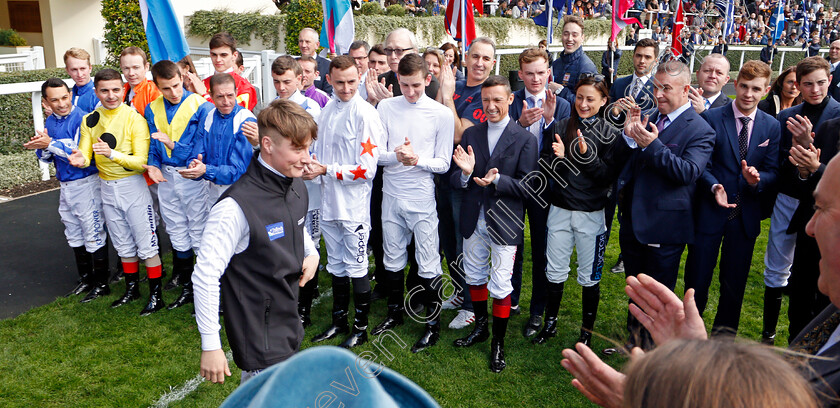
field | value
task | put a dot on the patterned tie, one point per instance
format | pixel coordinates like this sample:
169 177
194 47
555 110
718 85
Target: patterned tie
742 153
706 103
536 127
815 339
662 123
635 89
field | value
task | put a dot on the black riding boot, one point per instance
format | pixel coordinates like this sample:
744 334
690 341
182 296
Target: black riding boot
393 283
155 297
341 301
433 309
772 305
184 273
590 298
100 276
552 307
361 302
84 265
132 290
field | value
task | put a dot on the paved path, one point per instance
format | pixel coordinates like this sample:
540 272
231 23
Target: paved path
36 264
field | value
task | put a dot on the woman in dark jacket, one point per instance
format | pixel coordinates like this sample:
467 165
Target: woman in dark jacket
581 166
783 94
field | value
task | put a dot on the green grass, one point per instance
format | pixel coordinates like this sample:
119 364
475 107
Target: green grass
69 354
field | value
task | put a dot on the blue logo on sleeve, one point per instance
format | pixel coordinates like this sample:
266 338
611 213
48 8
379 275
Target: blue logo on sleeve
275 231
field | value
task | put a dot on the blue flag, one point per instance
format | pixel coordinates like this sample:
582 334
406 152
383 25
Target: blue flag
806 23
727 10
164 35
778 20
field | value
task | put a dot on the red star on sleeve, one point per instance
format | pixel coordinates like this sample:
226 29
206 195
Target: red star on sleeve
367 147
339 176
358 173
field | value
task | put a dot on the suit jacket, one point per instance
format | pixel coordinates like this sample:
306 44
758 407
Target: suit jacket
722 100
662 180
833 90
786 170
515 156
725 168
827 140
621 88
561 111
824 375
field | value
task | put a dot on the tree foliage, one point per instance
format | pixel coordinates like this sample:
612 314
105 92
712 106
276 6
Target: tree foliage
123 28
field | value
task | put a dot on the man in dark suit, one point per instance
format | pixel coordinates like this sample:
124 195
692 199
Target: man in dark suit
308 43
535 109
494 157
629 91
670 152
711 77
813 76
833 58
744 164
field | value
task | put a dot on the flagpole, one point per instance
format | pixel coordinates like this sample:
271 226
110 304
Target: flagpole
463 35
549 25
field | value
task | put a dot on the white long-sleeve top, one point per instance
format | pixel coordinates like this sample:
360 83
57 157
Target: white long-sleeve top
313 187
349 138
226 233
430 128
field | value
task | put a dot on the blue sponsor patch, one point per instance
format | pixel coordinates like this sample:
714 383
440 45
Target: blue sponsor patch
275 231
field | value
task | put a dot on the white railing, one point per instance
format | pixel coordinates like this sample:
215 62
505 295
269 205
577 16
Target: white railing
34 89
23 61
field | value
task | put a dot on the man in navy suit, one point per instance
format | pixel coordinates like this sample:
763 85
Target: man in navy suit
535 109
711 77
632 90
494 157
744 163
834 59
670 152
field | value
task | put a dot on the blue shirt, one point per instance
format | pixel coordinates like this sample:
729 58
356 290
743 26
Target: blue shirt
85 98
225 150
64 132
184 145
467 101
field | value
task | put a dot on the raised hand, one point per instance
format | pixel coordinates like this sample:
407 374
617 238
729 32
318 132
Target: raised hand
662 312
41 140
581 142
488 178
549 106
695 96
249 129
596 380
750 173
558 146
807 160
801 129
164 138
447 84
313 169
101 148
529 115
465 160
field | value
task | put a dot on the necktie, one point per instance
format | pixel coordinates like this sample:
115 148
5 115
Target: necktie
635 89
706 103
536 127
815 339
662 123
742 153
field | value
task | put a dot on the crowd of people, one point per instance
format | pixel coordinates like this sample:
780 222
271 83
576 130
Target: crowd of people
386 151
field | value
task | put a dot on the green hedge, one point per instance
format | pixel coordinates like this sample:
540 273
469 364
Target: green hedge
123 28
19 168
242 26
10 37
16 110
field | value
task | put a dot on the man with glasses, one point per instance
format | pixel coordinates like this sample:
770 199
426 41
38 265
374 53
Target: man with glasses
833 58
359 50
398 43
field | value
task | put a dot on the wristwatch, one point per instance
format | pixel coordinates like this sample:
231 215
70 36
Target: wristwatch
560 89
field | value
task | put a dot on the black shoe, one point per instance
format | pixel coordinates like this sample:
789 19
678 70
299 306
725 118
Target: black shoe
185 298
82 286
548 331
619 350
97 291
618 267
515 311
155 297
118 276
393 319
497 355
357 338
585 338
768 339
174 282
479 334
339 326
303 312
533 326
429 338
132 291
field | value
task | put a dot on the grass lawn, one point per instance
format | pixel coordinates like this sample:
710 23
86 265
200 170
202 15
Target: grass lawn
69 354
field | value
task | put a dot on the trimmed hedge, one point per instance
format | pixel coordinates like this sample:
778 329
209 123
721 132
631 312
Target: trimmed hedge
17 127
19 168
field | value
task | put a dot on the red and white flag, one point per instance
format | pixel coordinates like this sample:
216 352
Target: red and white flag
459 18
679 23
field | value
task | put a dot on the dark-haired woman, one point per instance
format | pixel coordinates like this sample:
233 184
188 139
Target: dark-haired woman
584 160
783 94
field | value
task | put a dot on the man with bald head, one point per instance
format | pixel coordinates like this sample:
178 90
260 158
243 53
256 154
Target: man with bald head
398 44
670 151
833 58
308 42
711 77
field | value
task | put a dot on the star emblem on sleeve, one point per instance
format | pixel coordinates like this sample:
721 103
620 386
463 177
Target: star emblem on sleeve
359 173
367 147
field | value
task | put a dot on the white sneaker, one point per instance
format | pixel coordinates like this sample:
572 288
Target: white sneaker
454 302
463 319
